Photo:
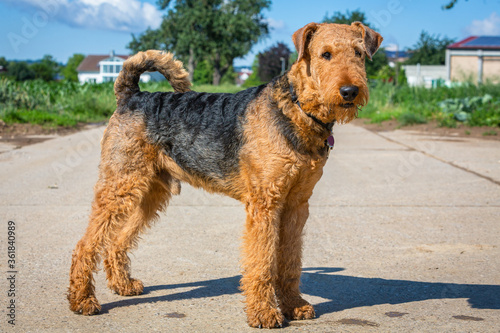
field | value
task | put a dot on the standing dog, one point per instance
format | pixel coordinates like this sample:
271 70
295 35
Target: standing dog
265 146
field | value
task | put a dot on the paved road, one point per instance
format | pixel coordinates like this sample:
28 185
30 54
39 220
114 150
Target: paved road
403 236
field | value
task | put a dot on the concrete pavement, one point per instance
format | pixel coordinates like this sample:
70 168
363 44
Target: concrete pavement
403 236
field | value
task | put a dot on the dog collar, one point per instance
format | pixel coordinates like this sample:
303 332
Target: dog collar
330 142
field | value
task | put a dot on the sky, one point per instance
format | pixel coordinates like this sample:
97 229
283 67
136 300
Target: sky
30 29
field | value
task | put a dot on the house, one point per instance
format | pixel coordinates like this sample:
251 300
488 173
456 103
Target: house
475 58
242 74
105 68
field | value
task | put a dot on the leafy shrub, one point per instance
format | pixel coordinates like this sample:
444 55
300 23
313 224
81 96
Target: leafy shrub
462 108
469 103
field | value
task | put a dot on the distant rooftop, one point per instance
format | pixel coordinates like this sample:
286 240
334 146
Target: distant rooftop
91 62
478 42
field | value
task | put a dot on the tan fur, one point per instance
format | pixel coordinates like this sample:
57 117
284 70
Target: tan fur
274 180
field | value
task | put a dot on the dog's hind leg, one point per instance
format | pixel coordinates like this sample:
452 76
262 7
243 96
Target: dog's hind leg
117 262
124 202
85 259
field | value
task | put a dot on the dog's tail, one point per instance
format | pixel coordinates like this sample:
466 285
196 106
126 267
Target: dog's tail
127 82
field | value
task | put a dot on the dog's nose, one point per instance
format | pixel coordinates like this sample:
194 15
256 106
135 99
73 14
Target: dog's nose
349 93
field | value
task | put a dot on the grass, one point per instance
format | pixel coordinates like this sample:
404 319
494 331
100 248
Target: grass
408 118
53 104
490 133
467 103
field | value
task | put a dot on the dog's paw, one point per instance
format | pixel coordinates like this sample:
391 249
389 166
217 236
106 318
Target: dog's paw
297 308
271 318
88 306
305 311
132 288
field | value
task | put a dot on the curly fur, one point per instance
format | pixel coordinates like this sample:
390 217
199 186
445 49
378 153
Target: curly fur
264 146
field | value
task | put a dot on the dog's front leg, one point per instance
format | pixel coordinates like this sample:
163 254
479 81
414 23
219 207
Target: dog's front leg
293 219
261 240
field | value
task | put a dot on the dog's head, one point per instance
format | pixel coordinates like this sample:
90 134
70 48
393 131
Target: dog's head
331 62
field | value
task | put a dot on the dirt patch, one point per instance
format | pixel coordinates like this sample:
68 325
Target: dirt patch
21 135
432 128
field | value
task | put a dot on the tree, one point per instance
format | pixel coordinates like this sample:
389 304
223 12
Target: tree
20 71
347 18
451 4
184 30
3 62
429 50
69 71
253 79
46 69
270 63
379 60
214 30
203 73
4 65
148 40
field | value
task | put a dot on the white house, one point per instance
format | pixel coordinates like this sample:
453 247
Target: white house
105 68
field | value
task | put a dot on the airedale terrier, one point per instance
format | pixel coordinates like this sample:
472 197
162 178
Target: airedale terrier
265 146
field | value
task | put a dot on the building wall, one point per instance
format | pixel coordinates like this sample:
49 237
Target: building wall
424 75
89 78
463 68
491 69
99 78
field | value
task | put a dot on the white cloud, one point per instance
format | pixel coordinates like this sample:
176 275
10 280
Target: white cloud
488 26
275 24
116 15
391 47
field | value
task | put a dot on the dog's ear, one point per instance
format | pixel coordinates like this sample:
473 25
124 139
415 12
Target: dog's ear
371 38
302 37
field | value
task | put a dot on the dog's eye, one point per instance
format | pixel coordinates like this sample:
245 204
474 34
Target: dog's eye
357 53
327 55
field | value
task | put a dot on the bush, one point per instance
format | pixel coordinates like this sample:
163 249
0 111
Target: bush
203 73
467 103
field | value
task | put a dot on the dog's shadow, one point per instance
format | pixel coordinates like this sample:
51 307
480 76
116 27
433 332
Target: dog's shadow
341 291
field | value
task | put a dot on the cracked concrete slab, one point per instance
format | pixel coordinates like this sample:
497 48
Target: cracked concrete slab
403 236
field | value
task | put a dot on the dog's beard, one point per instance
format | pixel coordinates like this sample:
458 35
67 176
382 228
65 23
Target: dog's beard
345 113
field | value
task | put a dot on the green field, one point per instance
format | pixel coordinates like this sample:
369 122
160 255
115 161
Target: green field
53 104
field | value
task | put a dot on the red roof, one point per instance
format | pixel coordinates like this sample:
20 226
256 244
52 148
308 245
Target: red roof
477 42
91 62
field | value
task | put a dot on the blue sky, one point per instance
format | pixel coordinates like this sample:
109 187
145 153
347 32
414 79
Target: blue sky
32 28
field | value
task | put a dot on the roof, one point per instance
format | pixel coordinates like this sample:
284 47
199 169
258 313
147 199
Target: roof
477 43
91 62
